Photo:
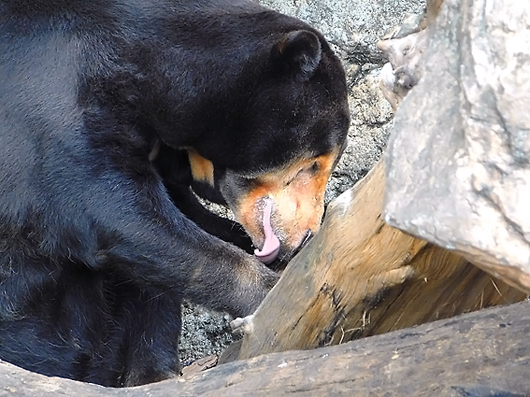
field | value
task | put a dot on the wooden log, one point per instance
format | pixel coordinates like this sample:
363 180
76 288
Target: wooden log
478 354
360 277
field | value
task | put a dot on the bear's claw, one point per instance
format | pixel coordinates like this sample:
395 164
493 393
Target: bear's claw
243 325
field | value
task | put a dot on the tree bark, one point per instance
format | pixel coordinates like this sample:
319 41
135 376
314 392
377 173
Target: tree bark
360 277
477 354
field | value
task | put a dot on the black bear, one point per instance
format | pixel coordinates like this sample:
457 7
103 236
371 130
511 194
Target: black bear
111 113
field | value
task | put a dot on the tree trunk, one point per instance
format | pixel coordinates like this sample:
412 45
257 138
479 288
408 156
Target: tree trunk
360 277
484 353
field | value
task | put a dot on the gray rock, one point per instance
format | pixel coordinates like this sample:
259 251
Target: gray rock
371 120
352 26
458 162
204 333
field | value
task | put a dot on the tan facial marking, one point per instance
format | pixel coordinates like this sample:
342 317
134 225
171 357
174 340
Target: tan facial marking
298 195
201 168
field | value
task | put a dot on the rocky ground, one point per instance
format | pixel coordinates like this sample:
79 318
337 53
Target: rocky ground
353 29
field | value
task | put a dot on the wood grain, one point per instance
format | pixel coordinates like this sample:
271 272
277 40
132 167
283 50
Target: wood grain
485 353
360 277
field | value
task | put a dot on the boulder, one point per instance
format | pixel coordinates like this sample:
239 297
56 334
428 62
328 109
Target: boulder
458 159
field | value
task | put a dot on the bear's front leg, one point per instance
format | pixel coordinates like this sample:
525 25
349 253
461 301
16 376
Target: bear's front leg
147 237
173 167
227 230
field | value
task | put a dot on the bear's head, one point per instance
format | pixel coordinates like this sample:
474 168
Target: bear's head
257 98
273 161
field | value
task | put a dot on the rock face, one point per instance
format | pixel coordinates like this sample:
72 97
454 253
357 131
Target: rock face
353 28
458 161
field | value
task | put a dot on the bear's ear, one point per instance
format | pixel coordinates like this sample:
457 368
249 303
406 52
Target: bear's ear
299 52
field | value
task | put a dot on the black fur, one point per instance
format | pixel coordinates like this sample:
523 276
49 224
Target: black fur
95 255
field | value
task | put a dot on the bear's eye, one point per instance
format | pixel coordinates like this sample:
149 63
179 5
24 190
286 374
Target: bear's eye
312 170
247 183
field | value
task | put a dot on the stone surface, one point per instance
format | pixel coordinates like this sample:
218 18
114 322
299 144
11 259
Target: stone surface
353 26
204 332
458 161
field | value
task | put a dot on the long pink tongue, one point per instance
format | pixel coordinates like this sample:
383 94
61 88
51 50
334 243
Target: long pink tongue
271 246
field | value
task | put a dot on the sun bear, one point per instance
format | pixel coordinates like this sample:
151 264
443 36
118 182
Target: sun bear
114 114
